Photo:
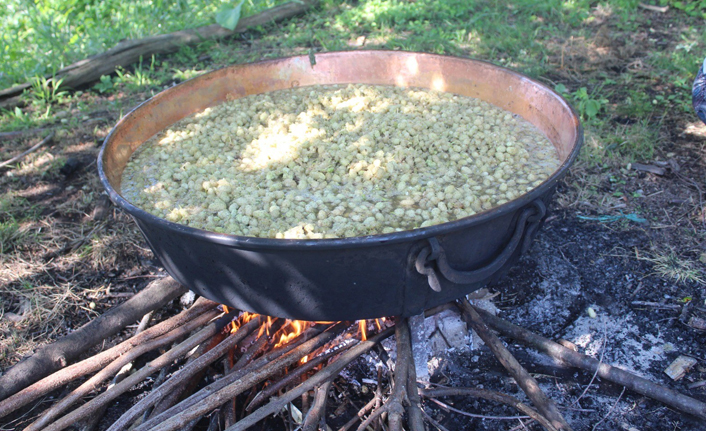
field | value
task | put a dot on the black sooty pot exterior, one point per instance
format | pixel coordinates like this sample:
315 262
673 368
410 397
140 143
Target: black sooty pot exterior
397 274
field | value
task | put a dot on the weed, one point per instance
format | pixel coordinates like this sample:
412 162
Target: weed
670 265
9 235
47 91
105 85
587 105
185 74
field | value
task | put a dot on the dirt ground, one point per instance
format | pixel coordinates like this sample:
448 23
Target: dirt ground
643 274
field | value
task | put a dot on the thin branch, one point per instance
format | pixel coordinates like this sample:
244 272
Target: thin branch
234 384
149 369
181 376
318 409
35 147
448 408
365 409
115 367
528 384
490 396
275 387
326 374
609 411
57 355
414 410
434 423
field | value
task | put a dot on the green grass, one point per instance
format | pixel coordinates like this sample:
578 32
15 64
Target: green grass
623 108
39 37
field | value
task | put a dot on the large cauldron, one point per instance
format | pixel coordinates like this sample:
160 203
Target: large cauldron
400 273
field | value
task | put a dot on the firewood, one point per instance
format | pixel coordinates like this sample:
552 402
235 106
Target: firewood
234 384
634 383
317 412
150 368
528 384
59 354
113 368
326 374
129 51
280 384
184 374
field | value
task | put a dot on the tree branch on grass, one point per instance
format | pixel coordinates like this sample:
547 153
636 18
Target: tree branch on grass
130 51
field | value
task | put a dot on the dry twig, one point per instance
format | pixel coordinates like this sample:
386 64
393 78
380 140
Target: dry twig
490 396
35 147
183 375
317 412
150 368
115 367
326 374
528 384
234 384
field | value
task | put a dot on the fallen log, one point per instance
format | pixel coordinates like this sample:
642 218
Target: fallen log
59 354
130 51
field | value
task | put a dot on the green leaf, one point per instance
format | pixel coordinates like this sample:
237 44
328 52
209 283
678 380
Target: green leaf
592 108
229 18
560 88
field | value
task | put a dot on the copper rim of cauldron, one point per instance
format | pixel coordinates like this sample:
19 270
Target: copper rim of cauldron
255 243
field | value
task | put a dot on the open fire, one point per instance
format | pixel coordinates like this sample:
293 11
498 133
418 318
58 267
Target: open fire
231 370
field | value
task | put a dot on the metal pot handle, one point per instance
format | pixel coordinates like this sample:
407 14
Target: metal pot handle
529 221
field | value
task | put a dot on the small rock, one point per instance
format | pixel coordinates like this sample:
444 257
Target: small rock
188 299
697 323
680 367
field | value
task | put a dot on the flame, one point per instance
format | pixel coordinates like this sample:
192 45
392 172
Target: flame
362 326
304 360
291 329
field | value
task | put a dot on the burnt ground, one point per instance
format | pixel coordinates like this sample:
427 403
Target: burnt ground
62 267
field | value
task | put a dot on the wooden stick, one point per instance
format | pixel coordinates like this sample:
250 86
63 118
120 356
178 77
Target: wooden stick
543 404
144 372
326 374
57 355
228 379
365 409
181 376
317 412
616 375
415 418
113 368
130 51
414 410
35 147
275 387
91 423
235 383
489 395
95 363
